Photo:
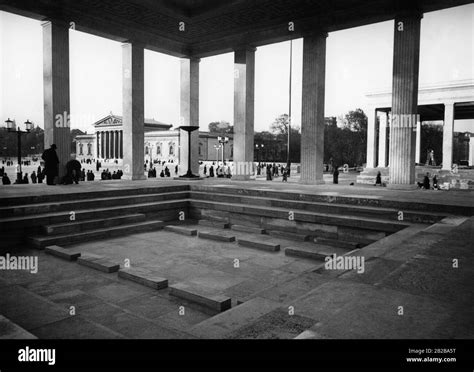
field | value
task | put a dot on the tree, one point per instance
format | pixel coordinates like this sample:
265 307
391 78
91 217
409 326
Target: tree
221 127
280 125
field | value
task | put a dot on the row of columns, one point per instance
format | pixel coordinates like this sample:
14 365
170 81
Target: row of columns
109 144
404 95
384 123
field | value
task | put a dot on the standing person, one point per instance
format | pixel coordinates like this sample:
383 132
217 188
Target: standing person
33 177
426 182
205 170
211 171
335 175
378 179
51 164
5 179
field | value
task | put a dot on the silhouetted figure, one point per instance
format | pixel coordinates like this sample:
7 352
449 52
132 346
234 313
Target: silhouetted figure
73 168
211 171
285 175
33 177
51 164
426 182
335 175
5 179
25 178
269 172
378 179
435 183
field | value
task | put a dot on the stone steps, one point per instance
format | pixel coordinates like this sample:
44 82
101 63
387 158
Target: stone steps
303 216
221 325
95 213
68 205
281 201
72 227
190 293
66 239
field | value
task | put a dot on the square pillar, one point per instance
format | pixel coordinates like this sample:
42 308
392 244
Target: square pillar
121 144
133 102
383 121
471 150
406 55
244 95
312 116
448 130
56 91
97 154
189 114
418 142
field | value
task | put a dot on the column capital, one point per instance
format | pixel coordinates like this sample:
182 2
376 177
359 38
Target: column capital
315 33
55 22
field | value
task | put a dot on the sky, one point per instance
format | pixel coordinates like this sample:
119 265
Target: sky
358 61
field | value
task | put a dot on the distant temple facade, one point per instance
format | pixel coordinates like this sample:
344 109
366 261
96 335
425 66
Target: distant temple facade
161 143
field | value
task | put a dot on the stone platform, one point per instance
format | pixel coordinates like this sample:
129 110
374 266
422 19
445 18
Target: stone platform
408 262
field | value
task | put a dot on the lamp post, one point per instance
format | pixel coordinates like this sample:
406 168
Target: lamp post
11 127
258 147
217 147
223 141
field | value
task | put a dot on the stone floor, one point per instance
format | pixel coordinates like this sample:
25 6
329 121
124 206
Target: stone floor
283 297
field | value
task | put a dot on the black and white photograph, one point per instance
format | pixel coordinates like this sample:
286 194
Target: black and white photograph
251 183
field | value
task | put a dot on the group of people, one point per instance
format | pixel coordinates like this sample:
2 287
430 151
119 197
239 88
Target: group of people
107 175
164 172
36 177
426 185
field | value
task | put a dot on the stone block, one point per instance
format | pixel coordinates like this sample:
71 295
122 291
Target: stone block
143 276
216 302
181 230
98 263
271 247
221 237
60 252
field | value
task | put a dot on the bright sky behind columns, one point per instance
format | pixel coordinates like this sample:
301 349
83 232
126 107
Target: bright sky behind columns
358 61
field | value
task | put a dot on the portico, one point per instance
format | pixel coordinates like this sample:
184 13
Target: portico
195 29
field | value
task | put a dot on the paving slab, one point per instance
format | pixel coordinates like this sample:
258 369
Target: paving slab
222 324
12 331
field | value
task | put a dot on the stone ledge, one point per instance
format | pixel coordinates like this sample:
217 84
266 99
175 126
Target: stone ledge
289 235
305 253
248 229
271 247
217 224
221 237
60 252
181 230
216 302
337 243
12 331
143 276
98 263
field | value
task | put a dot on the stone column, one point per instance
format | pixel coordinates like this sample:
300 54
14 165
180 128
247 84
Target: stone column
471 150
404 100
244 95
102 145
56 91
117 155
371 137
448 129
418 142
97 154
383 139
121 144
189 114
312 117
107 145
133 110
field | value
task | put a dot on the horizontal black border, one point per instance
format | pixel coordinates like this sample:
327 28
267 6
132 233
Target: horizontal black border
290 355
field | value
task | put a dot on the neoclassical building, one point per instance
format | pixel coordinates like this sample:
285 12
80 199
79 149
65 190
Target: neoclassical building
161 142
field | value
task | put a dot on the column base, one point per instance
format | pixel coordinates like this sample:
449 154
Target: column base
398 186
135 177
186 178
242 177
312 182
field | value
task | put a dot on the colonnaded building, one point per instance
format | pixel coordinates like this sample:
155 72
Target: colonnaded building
162 142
